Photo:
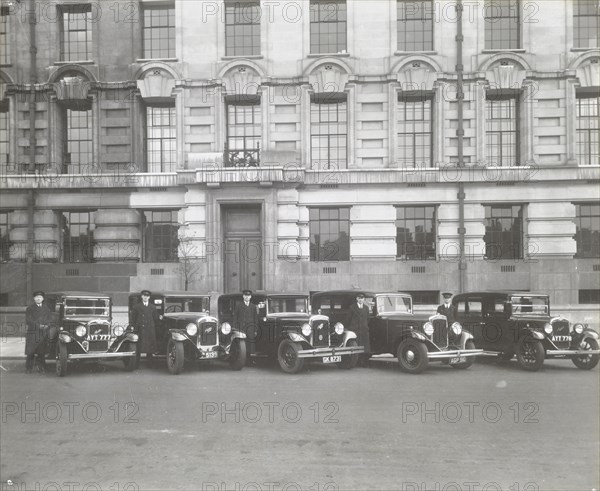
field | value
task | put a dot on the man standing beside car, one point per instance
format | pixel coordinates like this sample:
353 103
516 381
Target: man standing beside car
144 318
245 319
37 319
447 308
358 322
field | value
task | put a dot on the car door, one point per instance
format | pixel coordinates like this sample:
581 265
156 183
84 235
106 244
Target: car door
496 331
470 315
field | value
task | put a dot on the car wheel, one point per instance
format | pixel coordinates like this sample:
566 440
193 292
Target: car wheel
131 362
237 355
530 353
412 356
287 356
468 345
586 362
61 360
175 356
349 361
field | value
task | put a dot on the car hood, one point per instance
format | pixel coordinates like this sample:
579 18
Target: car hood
289 315
531 318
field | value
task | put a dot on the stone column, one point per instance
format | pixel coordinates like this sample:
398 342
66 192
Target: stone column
117 236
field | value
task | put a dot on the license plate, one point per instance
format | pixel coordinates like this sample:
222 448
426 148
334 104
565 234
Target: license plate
332 359
210 354
562 339
458 359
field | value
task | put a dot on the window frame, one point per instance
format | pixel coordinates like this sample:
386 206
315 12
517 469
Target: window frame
151 53
587 248
589 156
493 104
320 113
74 248
488 10
404 100
149 253
232 29
67 54
520 246
315 234
427 10
578 29
427 254
317 8
162 164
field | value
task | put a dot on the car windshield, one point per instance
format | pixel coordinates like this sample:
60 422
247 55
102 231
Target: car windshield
97 307
277 305
387 304
530 305
187 304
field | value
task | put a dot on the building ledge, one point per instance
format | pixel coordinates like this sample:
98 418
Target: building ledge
88 181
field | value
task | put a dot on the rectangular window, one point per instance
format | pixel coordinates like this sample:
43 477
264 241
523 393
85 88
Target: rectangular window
588 129
160 234
160 139
327 26
586 23
4 237
76 32
587 231
159 32
79 152
4 137
78 236
425 297
328 131
244 132
242 28
589 296
415 130
4 36
415 232
329 234
502 128
502 20
415 25
503 232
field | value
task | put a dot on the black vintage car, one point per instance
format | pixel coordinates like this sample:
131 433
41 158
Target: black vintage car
287 331
395 329
86 331
520 323
187 331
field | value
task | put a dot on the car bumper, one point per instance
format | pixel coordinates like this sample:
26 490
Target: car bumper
83 356
571 352
444 355
319 352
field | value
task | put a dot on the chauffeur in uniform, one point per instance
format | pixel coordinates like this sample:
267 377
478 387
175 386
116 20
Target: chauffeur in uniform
358 322
447 308
37 319
145 319
245 319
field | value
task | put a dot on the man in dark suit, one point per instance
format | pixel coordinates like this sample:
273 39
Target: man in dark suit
144 317
358 322
447 308
245 319
37 319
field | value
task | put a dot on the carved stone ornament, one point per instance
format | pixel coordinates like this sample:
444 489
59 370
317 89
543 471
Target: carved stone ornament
3 87
506 76
242 80
589 74
156 86
72 89
417 77
328 78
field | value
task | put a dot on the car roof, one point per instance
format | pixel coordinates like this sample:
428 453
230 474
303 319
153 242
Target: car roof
174 293
77 294
502 292
354 292
261 293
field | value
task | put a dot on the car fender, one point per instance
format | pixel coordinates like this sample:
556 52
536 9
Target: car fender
533 333
238 335
65 337
464 337
295 337
417 335
177 336
347 336
132 337
589 333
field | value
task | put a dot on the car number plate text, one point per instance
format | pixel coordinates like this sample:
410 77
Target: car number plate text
458 359
210 354
332 359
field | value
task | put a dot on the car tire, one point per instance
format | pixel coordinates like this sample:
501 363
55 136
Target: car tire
287 356
462 366
412 356
237 355
61 359
131 362
530 353
349 361
175 356
587 362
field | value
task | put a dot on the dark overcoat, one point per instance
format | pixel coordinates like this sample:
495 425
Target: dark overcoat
449 312
145 320
245 319
358 322
37 319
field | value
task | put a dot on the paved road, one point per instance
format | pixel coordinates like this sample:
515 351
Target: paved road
490 427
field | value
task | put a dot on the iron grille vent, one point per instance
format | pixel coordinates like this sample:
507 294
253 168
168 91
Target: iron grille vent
72 272
507 269
505 183
416 184
329 270
158 189
417 269
596 267
157 271
329 186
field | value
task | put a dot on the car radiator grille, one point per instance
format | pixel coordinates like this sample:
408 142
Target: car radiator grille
98 346
98 329
440 333
560 332
208 334
321 333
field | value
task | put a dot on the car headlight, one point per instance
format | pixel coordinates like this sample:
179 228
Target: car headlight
118 330
548 328
226 328
306 330
80 331
578 328
428 328
456 328
339 328
191 329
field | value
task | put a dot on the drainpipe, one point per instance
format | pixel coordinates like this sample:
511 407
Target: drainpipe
462 265
32 144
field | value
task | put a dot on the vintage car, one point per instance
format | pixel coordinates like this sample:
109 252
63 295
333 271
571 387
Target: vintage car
86 331
509 323
187 331
287 331
395 329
